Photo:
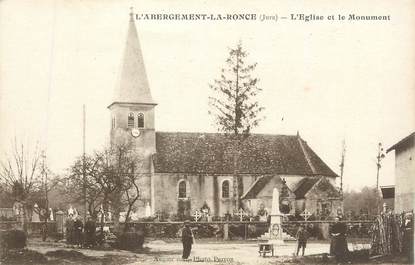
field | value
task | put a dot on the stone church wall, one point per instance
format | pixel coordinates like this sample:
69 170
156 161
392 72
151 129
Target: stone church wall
200 189
144 184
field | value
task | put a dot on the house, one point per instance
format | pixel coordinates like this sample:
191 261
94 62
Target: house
404 173
182 171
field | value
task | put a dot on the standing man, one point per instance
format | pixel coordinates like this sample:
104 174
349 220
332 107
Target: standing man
302 237
338 245
187 239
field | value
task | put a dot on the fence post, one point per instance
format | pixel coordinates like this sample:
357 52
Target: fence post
226 231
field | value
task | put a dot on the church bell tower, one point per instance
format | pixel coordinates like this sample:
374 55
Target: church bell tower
132 109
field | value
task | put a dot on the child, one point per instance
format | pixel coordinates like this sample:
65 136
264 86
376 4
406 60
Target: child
302 237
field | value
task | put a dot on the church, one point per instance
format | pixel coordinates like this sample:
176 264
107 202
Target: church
182 172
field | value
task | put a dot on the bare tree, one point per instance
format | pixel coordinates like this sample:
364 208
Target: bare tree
131 191
111 180
234 105
20 173
74 184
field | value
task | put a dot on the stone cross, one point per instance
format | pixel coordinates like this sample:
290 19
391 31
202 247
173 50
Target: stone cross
158 214
305 215
197 215
241 214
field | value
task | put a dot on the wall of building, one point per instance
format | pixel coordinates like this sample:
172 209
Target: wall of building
144 184
201 188
404 179
208 188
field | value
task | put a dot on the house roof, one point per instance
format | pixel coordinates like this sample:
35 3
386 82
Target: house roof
407 141
260 154
388 192
304 186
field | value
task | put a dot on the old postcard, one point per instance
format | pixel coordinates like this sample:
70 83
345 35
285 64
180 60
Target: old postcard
237 132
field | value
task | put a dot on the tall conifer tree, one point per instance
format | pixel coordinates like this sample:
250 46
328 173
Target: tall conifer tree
234 105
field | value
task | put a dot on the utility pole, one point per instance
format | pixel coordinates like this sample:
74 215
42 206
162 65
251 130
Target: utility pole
45 179
379 158
342 167
83 160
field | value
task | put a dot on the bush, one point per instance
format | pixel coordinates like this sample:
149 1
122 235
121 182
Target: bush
69 256
24 256
12 239
205 230
130 240
170 230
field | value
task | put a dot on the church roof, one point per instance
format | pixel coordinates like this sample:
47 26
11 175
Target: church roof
211 153
319 184
258 185
304 186
132 85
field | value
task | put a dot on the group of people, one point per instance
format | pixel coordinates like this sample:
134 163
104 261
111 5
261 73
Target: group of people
338 245
79 234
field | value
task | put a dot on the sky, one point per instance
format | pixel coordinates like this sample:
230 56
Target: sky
329 80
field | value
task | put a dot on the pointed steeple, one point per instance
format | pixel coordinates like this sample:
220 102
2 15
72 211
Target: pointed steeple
132 85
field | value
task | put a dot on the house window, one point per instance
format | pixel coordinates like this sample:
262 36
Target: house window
182 189
140 119
225 189
131 120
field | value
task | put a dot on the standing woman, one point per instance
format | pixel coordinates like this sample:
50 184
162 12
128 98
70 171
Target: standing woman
78 227
69 230
187 239
338 245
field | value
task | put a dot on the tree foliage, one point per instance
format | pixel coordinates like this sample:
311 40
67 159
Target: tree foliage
361 202
234 104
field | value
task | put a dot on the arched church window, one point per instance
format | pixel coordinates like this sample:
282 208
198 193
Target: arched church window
130 120
140 118
225 189
182 189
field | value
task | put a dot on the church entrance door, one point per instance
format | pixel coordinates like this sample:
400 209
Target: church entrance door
183 209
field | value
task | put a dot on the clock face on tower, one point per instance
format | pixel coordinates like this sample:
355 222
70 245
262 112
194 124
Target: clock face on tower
135 132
